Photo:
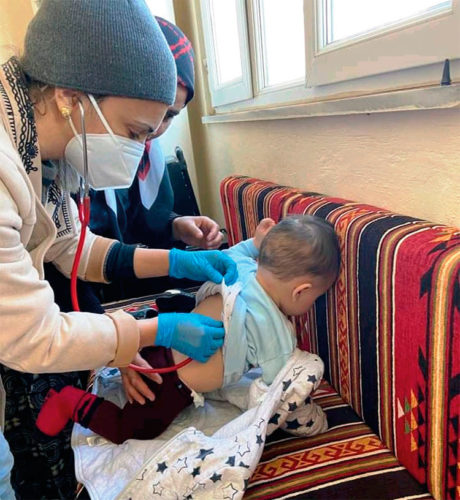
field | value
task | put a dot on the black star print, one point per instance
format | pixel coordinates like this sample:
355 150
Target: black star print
262 420
293 424
156 491
196 471
216 477
312 378
308 400
161 467
286 384
246 482
292 406
233 491
297 371
231 461
309 423
260 439
245 451
142 476
274 419
181 464
242 464
204 453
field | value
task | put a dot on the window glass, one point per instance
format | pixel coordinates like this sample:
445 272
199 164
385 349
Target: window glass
283 41
349 18
226 40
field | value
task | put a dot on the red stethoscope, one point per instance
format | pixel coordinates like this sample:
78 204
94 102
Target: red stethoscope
84 211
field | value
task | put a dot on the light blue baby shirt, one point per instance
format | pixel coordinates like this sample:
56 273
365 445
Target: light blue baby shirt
259 334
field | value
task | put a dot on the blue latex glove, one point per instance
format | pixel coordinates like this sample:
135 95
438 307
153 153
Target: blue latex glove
192 334
202 266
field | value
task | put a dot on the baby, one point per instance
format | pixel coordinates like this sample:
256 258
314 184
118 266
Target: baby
282 271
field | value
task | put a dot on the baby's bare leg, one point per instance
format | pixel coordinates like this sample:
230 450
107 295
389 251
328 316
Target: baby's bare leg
209 376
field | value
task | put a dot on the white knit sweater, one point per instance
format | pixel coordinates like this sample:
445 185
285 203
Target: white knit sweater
34 335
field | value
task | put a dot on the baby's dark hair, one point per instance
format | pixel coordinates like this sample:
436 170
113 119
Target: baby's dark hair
300 245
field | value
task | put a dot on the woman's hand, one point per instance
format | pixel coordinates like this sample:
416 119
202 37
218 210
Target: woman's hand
261 230
202 266
191 334
135 387
197 231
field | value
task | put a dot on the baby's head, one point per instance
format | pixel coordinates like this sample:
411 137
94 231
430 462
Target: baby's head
299 260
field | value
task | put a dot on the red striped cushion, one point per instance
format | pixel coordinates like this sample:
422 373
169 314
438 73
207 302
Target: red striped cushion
348 461
389 330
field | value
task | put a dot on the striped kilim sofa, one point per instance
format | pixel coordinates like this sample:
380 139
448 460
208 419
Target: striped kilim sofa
389 335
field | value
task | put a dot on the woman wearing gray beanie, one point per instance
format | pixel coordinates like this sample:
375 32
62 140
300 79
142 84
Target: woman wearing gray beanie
98 70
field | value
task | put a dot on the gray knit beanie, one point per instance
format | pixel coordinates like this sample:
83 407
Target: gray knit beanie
105 47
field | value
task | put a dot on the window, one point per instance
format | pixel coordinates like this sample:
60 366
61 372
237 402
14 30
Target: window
226 39
263 52
354 38
281 50
347 20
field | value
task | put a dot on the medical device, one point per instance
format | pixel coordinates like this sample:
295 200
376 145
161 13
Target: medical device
84 211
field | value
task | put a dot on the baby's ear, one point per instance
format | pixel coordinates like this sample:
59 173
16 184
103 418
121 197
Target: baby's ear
300 289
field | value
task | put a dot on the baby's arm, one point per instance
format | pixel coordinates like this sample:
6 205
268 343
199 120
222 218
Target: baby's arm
245 248
250 247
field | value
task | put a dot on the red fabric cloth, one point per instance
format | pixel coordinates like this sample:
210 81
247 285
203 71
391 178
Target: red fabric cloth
136 421
389 330
70 403
133 421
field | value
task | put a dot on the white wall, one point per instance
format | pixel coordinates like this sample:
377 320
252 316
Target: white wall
14 18
408 162
178 133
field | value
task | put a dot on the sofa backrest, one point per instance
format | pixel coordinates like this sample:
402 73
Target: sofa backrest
389 330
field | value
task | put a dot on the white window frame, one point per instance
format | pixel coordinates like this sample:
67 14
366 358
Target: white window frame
438 33
336 85
233 91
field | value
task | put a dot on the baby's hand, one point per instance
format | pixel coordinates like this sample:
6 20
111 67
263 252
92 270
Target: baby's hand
135 387
262 229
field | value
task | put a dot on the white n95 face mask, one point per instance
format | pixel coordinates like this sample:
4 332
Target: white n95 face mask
112 159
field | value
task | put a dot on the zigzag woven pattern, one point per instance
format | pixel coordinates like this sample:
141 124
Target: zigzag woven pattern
389 330
348 461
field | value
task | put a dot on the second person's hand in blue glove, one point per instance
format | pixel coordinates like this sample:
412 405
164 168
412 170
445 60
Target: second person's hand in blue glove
202 266
192 334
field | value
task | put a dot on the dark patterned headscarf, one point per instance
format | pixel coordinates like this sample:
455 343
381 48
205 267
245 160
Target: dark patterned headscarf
183 55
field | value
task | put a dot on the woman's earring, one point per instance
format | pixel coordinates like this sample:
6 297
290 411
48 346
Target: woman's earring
66 112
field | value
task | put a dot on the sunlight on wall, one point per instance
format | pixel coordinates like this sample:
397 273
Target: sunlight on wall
407 162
